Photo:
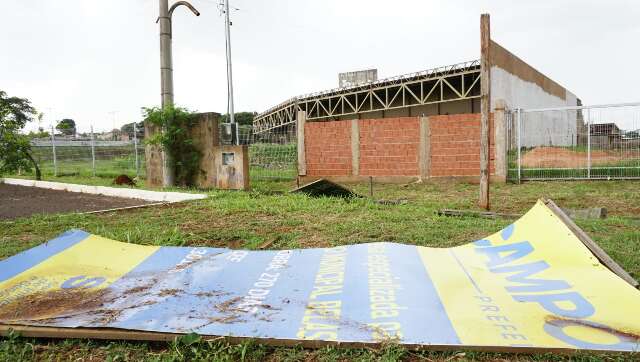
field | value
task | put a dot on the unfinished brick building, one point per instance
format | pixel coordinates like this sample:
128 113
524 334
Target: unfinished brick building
420 125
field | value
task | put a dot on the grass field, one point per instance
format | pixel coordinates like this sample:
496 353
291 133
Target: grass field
247 219
77 161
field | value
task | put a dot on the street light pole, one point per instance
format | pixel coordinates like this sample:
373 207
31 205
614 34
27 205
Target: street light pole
166 66
166 76
227 31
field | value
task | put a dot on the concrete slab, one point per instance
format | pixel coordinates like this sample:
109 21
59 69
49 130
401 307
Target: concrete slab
157 196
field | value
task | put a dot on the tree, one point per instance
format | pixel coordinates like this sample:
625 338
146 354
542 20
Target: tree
67 127
15 148
176 140
243 118
39 135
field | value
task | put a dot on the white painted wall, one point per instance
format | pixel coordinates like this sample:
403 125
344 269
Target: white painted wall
557 128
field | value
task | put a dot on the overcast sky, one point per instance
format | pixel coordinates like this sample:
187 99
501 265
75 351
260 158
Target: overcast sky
97 61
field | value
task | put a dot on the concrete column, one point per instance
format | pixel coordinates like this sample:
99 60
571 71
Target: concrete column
302 158
205 136
153 157
424 153
355 147
500 139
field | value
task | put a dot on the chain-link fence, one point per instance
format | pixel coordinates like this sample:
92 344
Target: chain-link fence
595 142
273 154
90 154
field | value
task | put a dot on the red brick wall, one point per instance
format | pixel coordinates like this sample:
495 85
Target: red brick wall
455 145
389 146
328 148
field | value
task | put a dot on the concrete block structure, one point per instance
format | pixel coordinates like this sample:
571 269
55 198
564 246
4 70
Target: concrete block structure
224 167
232 167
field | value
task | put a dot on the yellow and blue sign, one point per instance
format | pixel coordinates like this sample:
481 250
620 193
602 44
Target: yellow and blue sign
531 285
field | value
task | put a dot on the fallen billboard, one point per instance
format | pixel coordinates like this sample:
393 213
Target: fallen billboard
532 286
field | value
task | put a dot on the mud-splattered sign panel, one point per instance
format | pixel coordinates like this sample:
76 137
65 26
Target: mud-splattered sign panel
531 285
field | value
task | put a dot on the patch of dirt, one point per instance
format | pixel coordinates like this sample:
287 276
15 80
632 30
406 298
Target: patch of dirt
48 306
170 292
225 320
139 289
235 244
228 306
124 180
55 303
22 201
210 294
566 158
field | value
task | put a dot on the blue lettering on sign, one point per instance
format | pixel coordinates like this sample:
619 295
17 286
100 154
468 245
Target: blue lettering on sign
82 282
507 232
515 251
523 272
553 303
524 288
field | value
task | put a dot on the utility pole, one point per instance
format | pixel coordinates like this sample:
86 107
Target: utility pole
227 32
166 75
485 109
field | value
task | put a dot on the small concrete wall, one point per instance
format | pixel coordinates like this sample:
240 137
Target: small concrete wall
232 171
205 136
153 157
146 195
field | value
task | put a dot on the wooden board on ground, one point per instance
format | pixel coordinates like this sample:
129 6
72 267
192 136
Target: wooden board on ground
473 213
589 243
126 335
591 213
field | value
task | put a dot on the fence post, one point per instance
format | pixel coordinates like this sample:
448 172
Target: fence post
53 148
519 121
135 148
93 152
485 109
588 143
